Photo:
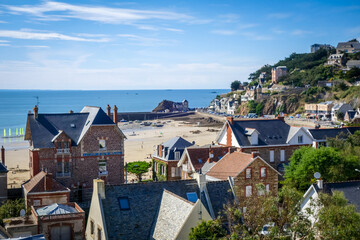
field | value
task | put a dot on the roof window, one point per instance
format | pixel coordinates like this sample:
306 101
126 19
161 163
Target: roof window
124 203
72 125
192 196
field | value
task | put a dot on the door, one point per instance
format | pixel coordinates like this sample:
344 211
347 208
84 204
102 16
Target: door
62 232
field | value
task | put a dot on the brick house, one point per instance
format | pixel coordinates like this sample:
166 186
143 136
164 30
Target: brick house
246 170
43 190
273 139
76 147
166 158
278 72
197 159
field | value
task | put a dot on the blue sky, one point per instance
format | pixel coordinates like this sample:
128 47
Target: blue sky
190 44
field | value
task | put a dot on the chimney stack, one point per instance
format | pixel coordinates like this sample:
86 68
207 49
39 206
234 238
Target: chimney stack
254 154
36 110
115 115
230 119
48 182
282 118
3 155
71 111
320 183
108 109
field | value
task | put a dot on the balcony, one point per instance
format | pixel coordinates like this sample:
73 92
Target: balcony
63 150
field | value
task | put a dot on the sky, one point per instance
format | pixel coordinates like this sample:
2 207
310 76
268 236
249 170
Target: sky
117 45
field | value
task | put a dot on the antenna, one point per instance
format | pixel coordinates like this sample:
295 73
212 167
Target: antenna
37 100
317 175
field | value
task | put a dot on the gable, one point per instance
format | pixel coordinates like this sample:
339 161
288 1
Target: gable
306 137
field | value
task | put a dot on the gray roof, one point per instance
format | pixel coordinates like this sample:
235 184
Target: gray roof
47 126
355 45
144 200
175 144
324 133
271 131
3 168
220 194
55 209
173 212
350 189
353 63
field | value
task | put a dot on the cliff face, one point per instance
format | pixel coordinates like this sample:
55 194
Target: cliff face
164 105
282 103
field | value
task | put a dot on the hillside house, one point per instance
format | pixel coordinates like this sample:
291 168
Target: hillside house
352 63
166 158
315 47
278 72
321 135
319 110
76 147
348 47
339 107
337 60
272 138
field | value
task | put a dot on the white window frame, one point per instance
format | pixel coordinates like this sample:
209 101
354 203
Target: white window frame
261 172
300 138
103 164
248 191
248 173
267 188
177 155
102 145
271 156
282 155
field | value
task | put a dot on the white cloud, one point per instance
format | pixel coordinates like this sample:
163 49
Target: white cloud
3 21
229 18
299 32
146 41
4 41
279 15
36 46
45 36
4 44
56 11
224 32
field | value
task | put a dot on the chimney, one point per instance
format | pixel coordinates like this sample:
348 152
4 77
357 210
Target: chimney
229 149
115 115
71 111
230 119
48 182
320 183
160 150
108 109
3 155
36 110
282 118
254 154
99 188
211 155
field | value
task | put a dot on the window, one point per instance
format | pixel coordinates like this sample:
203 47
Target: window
162 170
271 155
177 155
98 234
36 202
300 139
248 173
263 172
102 167
59 145
261 191
66 145
124 203
173 171
267 188
282 155
92 227
192 196
102 145
248 191
63 169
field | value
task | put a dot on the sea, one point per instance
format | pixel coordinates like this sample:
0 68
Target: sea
15 104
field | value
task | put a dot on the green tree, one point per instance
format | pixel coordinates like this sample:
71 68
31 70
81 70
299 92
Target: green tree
207 230
11 208
337 219
138 168
235 85
340 115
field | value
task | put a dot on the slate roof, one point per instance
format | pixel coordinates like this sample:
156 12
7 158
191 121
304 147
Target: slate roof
173 212
200 155
355 45
55 209
3 168
350 189
323 133
144 200
351 114
266 129
175 144
230 165
37 184
43 129
220 194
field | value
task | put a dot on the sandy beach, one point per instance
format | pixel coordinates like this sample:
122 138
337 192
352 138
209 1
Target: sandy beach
140 142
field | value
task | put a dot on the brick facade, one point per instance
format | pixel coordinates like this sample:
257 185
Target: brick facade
83 159
241 181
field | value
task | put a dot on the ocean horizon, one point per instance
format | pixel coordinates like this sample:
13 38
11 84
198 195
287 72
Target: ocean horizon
15 104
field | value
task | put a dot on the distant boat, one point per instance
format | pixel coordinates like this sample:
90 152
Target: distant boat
147 123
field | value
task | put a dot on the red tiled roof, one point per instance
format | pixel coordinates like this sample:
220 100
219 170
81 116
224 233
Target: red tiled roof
199 155
37 184
231 165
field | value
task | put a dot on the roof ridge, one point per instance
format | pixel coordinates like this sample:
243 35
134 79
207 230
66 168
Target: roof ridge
348 181
177 196
158 182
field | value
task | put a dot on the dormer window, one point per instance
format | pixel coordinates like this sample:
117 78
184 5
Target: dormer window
177 155
102 145
300 139
248 173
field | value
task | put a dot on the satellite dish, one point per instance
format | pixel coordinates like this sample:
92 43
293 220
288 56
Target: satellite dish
317 175
22 212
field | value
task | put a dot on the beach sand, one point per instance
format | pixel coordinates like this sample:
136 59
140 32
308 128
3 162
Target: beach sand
140 143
